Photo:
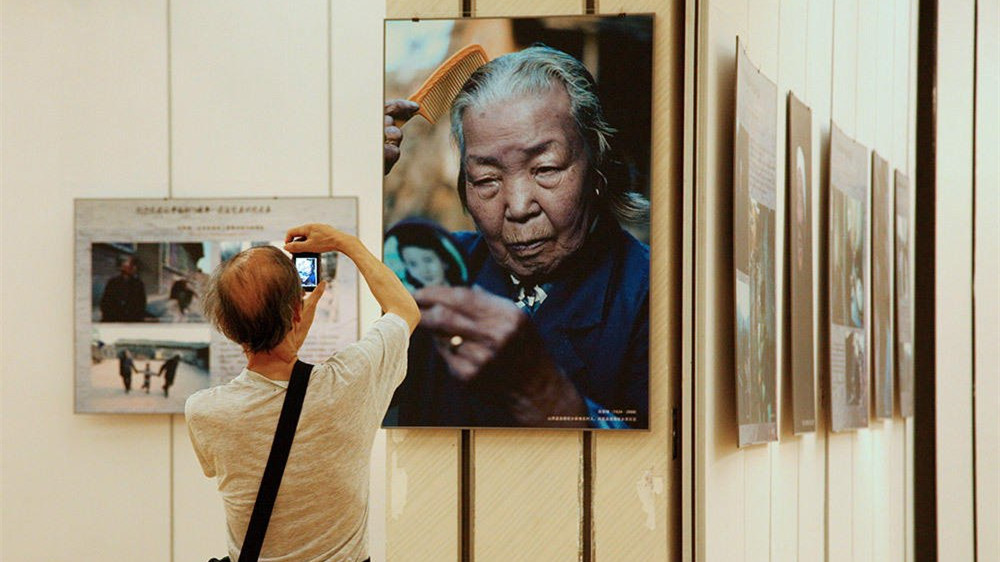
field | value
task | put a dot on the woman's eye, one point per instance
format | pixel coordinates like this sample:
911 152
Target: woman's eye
486 186
547 173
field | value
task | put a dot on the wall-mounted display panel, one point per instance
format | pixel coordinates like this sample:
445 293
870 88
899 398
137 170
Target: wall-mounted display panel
800 198
883 258
848 282
904 295
539 174
142 343
754 222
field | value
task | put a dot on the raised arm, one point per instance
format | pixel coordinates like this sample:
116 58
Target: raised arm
388 290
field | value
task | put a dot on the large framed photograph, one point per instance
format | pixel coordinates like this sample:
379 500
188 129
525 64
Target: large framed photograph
754 218
142 343
883 298
848 266
802 306
516 210
904 295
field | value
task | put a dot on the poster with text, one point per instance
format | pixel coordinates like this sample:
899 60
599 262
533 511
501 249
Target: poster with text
516 208
754 219
848 282
802 310
904 295
142 342
883 258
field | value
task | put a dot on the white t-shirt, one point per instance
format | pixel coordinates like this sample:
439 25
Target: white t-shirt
321 512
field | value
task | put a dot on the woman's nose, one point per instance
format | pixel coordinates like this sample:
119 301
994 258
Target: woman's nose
520 201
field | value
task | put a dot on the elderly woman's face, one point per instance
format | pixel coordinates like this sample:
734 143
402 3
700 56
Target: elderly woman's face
526 181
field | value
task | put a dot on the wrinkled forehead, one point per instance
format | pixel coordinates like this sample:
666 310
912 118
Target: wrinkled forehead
510 89
522 121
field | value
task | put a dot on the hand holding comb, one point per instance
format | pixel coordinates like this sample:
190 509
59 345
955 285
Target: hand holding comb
439 90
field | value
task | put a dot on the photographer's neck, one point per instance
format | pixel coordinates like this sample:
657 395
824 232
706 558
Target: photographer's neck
275 364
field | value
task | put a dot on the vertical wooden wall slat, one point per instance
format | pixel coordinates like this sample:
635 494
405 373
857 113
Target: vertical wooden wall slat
885 482
636 499
692 443
765 519
762 43
849 497
423 481
813 497
719 465
785 463
527 486
987 383
841 449
866 111
423 478
912 41
953 289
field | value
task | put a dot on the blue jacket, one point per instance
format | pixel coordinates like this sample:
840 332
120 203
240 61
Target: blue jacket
594 323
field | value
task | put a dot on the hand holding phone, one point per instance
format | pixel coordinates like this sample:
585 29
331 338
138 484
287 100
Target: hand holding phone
308 266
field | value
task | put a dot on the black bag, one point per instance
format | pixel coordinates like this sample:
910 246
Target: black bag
288 420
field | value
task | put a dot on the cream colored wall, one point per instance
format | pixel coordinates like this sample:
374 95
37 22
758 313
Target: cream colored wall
955 147
987 297
181 98
125 98
819 496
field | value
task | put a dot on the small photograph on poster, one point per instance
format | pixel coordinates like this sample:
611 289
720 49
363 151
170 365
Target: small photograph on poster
528 168
848 257
802 310
422 254
904 296
146 369
754 219
883 238
142 342
149 281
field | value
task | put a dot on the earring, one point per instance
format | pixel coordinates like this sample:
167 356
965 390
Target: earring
601 180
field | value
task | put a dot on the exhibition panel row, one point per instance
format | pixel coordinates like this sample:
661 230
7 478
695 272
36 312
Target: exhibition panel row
860 336
517 212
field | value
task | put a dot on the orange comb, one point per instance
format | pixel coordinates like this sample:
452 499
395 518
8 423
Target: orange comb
439 90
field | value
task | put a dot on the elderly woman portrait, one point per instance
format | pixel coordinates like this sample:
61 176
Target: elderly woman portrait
553 331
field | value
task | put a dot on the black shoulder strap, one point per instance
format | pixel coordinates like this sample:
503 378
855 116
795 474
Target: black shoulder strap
269 483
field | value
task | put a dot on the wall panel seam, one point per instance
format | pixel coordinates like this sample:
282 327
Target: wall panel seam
975 122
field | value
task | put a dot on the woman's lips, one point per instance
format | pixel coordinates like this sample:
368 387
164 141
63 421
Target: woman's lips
526 249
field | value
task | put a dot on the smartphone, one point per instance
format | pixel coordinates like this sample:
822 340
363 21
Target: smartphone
307 264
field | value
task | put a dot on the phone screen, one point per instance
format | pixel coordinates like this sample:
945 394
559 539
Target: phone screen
308 267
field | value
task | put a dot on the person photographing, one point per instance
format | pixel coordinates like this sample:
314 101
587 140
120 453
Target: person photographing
256 300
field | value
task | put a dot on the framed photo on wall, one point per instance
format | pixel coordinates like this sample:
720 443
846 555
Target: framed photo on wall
904 294
142 343
516 209
754 223
802 306
848 270
883 297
